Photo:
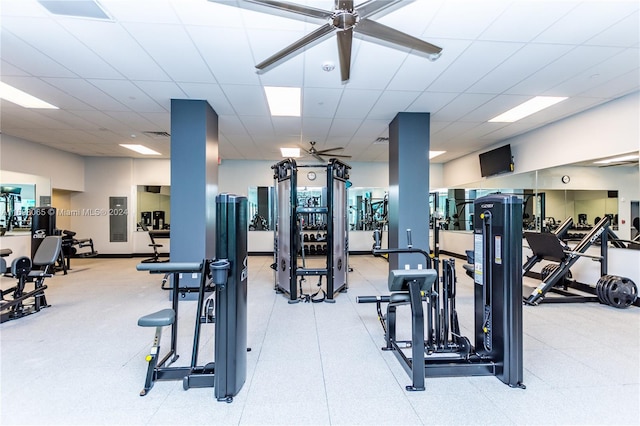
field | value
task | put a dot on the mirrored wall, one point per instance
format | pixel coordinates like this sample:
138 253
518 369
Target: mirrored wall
15 201
154 207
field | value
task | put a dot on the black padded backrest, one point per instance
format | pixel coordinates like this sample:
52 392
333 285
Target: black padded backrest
399 278
20 266
48 251
545 245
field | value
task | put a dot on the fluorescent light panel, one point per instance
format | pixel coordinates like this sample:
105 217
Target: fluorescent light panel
283 101
290 152
18 97
434 154
527 108
617 159
140 149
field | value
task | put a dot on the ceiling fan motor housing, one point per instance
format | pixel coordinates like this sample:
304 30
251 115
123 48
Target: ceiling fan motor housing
344 19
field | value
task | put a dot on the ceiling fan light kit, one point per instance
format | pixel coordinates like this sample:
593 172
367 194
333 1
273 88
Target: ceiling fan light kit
346 20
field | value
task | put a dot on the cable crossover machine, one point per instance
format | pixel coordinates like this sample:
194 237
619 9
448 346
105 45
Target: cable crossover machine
322 221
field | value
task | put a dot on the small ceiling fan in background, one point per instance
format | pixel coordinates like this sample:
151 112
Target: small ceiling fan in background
317 154
347 20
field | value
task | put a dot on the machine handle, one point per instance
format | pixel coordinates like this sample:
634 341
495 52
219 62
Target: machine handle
372 299
409 243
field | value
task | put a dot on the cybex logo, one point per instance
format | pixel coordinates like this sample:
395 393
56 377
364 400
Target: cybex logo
486 206
40 233
597 234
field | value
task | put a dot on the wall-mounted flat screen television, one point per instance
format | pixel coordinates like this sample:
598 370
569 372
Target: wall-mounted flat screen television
496 161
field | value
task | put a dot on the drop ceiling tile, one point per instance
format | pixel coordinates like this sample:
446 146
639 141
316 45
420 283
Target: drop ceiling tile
431 102
160 121
23 8
397 19
258 125
226 52
145 11
172 48
320 102
522 21
75 90
211 92
231 125
587 18
519 66
461 106
247 100
208 13
60 46
131 121
161 92
465 19
116 47
481 57
24 56
454 130
624 33
128 94
619 86
315 129
286 125
390 103
356 103
367 71
417 72
9 69
343 129
567 66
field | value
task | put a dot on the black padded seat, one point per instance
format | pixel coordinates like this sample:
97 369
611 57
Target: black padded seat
158 319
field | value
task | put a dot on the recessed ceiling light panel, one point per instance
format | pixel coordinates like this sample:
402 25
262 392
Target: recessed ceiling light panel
527 108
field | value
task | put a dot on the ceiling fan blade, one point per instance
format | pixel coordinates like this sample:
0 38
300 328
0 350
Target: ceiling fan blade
295 48
373 7
279 8
340 156
323 151
396 38
317 157
345 40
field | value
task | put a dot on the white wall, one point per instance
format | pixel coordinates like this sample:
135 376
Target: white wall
63 169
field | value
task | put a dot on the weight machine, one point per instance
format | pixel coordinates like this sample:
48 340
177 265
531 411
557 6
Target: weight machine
291 219
440 350
226 277
612 290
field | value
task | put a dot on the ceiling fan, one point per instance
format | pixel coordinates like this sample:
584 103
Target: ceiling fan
317 154
347 20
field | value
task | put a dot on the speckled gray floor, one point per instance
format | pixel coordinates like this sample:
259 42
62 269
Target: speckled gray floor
81 361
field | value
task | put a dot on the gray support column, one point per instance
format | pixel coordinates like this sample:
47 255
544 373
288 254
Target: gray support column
194 182
408 186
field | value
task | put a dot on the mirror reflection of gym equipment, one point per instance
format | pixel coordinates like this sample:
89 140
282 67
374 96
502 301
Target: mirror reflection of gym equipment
437 348
310 225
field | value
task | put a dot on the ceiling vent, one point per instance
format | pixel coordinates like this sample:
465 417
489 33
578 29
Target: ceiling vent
77 8
156 135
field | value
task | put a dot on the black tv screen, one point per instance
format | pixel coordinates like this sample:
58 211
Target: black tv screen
496 161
